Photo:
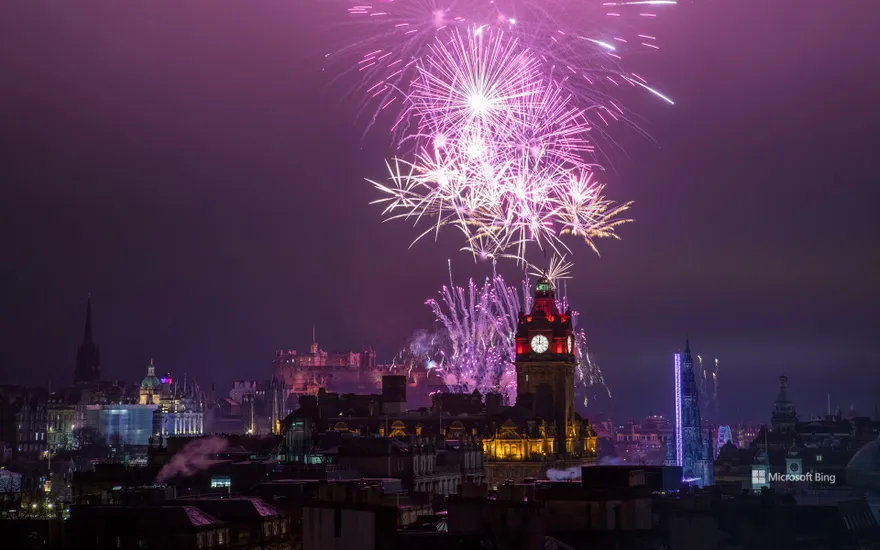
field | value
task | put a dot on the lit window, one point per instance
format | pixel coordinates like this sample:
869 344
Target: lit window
220 482
818 458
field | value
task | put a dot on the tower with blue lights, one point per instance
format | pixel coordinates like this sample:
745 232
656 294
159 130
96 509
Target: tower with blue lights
692 452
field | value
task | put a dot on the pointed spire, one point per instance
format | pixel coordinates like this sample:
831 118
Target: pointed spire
686 360
87 338
87 357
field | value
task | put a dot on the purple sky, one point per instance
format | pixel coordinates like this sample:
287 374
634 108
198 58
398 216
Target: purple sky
190 165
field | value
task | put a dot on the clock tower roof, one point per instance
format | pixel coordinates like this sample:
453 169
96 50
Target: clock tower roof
546 320
545 299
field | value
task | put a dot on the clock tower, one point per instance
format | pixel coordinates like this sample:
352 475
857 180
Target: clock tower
546 363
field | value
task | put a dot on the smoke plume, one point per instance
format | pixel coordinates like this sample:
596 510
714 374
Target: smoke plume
563 475
196 456
575 472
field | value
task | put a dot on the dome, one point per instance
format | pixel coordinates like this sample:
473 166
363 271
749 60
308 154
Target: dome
151 382
867 459
863 469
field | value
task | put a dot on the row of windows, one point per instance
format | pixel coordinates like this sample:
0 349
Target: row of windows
651 437
274 528
221 482
212 538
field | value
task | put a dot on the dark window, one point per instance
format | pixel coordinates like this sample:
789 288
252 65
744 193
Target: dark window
337 522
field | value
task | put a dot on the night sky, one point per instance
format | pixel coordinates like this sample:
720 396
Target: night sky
190 166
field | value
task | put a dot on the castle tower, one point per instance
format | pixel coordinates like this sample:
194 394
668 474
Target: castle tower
313 348
784 417
692 453
87 356
545 363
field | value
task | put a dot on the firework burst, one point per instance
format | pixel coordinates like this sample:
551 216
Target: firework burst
583 43
498 105
503 155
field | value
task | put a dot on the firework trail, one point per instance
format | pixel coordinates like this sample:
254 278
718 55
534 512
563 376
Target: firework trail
701 384
498 106
425 349
588 375
480 324
475 346
708 387
715 388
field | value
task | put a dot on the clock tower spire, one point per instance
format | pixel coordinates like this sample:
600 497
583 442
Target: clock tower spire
545 363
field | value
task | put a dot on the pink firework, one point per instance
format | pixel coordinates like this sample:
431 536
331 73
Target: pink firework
509 168
473 79
499 106
583 43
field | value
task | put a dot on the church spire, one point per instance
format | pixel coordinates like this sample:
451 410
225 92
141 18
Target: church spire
87 337
87 356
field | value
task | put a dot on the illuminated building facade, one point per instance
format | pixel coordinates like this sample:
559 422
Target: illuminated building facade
178 410
61 423
121 425
346 372
181 410
645 442
693 452
263 405
305 373
31 421
545 369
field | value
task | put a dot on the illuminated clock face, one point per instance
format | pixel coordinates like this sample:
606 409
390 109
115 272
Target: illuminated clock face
540 344
571 344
